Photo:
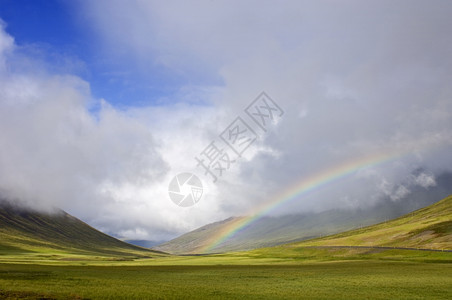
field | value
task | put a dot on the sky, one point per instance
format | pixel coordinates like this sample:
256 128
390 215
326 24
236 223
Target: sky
103 102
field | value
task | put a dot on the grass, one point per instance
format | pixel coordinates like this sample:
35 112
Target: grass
270 273
338 280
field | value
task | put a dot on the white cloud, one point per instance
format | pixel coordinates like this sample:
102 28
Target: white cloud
6 45
110 169
354 78
425 180
400 192
362 85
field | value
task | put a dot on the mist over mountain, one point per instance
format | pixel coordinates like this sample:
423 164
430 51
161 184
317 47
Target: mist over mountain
27 231
271 231
99 119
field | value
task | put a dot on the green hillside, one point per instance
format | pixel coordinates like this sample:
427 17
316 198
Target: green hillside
429 228
29 233
272 231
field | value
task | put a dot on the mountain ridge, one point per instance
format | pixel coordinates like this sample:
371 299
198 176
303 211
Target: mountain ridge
426 228
24 230
272 231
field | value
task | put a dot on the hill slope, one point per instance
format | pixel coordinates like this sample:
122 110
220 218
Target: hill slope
269 231
25 231
427 228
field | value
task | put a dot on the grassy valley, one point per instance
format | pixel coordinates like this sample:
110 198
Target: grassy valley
42 260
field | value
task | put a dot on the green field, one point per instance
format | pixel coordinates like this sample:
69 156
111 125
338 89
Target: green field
270 273
359 264
328 280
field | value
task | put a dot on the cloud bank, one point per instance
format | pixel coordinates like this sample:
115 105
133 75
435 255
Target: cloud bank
353 77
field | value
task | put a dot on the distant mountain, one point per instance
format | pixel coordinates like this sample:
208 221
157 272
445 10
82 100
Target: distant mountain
144 243
271 231
27 231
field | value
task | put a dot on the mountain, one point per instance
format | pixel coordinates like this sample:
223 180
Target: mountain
144 243
272 231
24 231
426 228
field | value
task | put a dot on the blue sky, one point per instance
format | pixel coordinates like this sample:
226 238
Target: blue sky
56 31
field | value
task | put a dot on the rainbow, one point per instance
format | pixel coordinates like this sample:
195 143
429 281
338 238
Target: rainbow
295 191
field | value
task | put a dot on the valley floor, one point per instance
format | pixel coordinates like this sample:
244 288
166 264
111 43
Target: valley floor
388 274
